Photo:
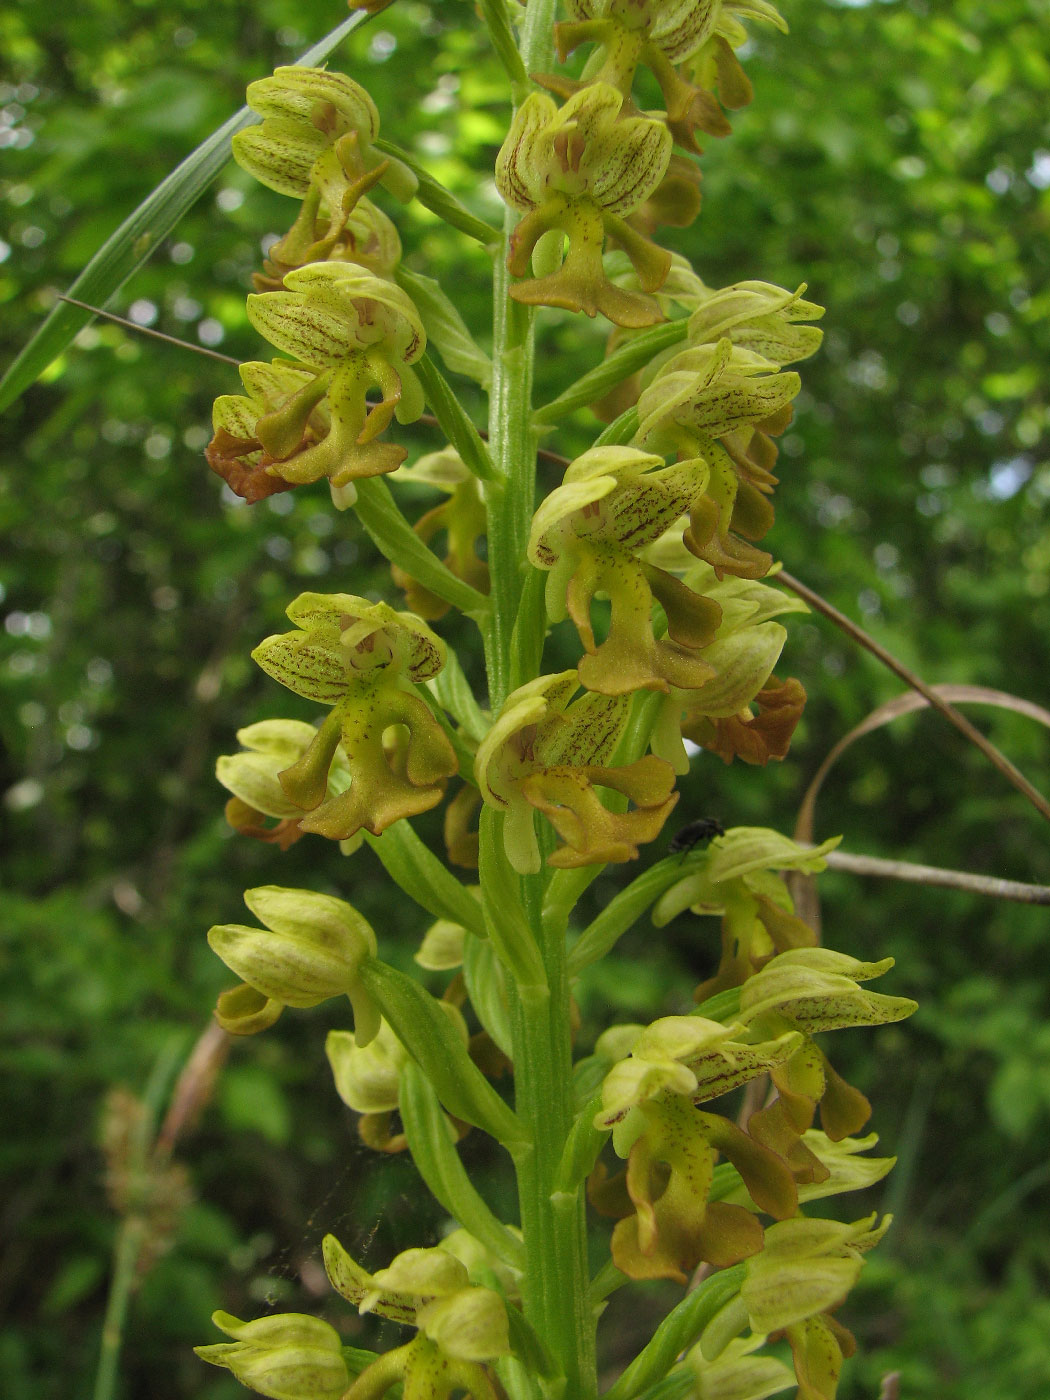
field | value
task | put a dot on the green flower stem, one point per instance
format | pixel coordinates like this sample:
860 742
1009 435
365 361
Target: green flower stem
679 1330
512 437
395 539
622 363
621 912
438 200
555 1282
498 24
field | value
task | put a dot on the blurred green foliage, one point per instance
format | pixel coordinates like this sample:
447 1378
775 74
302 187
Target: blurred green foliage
896 158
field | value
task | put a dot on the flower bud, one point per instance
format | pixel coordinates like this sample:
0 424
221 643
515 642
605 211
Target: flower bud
805 1267
737 1374
311 949
289 1356
367 1077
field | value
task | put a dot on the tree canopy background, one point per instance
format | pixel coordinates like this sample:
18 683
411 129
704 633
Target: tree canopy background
897 159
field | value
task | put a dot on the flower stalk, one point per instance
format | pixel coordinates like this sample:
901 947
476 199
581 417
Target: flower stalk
648 551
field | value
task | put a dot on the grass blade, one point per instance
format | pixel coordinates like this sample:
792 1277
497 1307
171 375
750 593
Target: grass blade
141 234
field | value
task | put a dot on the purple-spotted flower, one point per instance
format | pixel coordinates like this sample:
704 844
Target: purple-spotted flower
362 659
613 502
581 170
548 753
351 332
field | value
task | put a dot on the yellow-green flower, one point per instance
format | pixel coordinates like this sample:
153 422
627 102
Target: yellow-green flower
462 1328
587 532
352 332
289 1356
582 169
660 34
546 754
361 658
311 949
315 143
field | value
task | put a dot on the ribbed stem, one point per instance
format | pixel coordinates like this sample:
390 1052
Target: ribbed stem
555 1283
556 1280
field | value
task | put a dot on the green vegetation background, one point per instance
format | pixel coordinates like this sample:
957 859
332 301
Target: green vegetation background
896 158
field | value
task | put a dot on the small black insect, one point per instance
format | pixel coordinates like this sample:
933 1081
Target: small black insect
703 829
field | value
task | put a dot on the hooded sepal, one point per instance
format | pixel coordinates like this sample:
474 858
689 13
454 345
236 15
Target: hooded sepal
361 658
546 754
760 318
817 989
311 949
288 1356
581 169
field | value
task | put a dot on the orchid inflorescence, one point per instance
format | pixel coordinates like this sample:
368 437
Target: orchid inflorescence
649 552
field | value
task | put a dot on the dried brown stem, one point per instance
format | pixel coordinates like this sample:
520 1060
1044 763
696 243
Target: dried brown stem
937 702
991 885
146 330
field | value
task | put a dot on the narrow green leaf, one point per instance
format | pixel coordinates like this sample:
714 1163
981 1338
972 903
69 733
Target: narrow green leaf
357 1359
621 912
582 1146
433 1150
451 689
620 431
431 1040
141 234
679 1330
440 201
508 927
497 22
413 866
395 539
622 363
486 988
458 428
677 1385
528 1347
724 1007
530 629
445 327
